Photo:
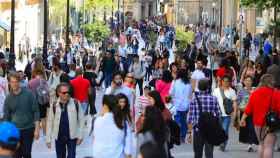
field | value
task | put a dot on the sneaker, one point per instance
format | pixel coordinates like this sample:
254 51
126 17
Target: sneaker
250 148
223 147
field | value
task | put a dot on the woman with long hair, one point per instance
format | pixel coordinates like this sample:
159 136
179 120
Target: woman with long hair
181 92
154 130
247 134
163 85
156 101
115 138
124 106
260 103
249 70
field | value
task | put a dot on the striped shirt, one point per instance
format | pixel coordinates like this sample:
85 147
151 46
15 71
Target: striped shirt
143 102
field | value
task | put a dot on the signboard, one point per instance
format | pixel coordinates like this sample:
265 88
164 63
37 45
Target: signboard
260 23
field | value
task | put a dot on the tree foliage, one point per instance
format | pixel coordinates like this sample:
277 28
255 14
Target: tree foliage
183 38
261 4
96 32
98 4
57 11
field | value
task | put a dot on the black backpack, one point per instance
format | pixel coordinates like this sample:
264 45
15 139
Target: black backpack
210 128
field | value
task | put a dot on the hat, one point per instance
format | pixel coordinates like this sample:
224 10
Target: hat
9 134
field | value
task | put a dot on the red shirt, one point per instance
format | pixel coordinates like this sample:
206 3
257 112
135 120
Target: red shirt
80 87
259 103
222 71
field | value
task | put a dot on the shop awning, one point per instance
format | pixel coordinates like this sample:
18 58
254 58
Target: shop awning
4 25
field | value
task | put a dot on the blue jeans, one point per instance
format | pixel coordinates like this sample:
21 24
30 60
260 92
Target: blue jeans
108 79
225 121
180 118
60 147
84 106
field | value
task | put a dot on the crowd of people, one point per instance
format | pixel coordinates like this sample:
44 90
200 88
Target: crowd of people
147 97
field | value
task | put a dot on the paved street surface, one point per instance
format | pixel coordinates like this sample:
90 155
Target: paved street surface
236 150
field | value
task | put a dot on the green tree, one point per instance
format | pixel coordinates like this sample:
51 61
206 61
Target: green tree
57 11
96 32
267 4
183 38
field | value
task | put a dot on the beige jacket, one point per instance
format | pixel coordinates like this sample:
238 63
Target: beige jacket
76 126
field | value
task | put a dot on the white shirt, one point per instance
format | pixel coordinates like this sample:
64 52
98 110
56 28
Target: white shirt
110 141
122 51
229 93
197 75
180 93
4 90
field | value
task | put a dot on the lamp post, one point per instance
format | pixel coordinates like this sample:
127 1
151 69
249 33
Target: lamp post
45 40
214 8
123 15
67 26
12 55
221 16
118 18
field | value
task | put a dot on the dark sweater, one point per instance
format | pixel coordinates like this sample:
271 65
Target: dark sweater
22 109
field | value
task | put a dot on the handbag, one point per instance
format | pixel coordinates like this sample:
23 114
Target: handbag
227 103
272 119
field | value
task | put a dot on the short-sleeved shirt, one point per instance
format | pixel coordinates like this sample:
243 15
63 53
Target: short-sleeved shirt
229 93
80 87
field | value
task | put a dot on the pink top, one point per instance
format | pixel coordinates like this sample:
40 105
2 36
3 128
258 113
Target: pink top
163 89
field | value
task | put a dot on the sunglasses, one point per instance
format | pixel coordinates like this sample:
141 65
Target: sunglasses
129 76
64 93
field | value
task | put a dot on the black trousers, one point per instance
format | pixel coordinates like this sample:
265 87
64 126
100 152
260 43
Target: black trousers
139 82
198 144
26 141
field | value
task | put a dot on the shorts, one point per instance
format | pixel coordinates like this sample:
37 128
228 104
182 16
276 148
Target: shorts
43 110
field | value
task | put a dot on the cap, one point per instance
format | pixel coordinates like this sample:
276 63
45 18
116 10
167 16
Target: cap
9 134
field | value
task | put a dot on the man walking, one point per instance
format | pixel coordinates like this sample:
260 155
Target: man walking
65 123
209 104
81 87
21 108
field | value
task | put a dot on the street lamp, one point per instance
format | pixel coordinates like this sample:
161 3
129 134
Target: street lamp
67 25
45 40
214 8
12 55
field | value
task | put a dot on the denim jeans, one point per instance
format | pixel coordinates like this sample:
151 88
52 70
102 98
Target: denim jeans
108 79
139 82
180 118
84 106
26 141
225 121
60 147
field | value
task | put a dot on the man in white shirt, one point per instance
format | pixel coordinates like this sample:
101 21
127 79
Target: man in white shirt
229 93
197 75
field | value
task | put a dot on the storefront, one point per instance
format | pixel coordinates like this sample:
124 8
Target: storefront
4 34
